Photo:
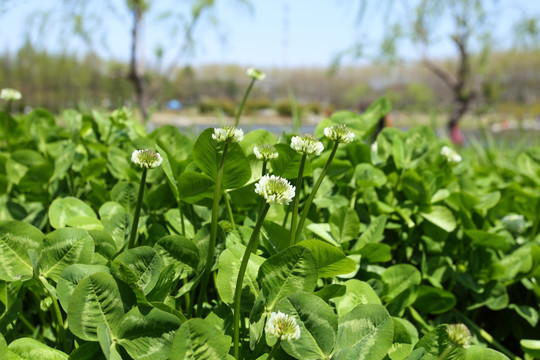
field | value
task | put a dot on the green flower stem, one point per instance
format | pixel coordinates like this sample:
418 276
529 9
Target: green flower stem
484 334
27 323
297 199
273 351
243 103
313 192
59 321
241 272
182 220
6 124
446 352
135 225
109 133
229 211
213 232
261 200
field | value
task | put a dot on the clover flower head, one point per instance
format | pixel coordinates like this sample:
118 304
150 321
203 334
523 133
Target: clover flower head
340 133
228 134
255 74
308 144
265 152
275 189
147 158
459 335
450 154
515 223
10 95
282 326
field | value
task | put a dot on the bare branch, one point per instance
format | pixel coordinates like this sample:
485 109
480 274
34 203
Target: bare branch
440 72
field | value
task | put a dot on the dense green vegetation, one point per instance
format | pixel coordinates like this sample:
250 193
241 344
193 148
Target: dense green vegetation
103 259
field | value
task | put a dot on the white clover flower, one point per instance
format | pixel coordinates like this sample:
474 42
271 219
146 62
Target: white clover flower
374 147
228 134
515 223
275 189
265 152
282 326
255 74
450 154
308 144
10 95
459 335
339 133
147 158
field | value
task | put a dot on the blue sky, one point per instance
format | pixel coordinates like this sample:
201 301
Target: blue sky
275 33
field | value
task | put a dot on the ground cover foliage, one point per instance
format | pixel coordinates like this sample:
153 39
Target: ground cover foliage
399 241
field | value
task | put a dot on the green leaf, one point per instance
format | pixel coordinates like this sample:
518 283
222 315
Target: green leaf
118 163
475 352
366 332
194 187
357 293
488 201
256 138
292 270
414 187
344 224
484 238
104 243
140 266
366 175
62 248
318 326
30 349
71 276
197 339
374 253
229 264
405 336
125 194
287 163
441 217
373 233
526 312
433 300
63 161
331 261
16 238
330 291
84 222
531 347
62 209
168 171
399 286
207 154
88 351
119 226
98 298
436 342
180 252
147 333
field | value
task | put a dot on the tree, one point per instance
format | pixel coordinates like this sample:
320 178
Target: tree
84 17
468 24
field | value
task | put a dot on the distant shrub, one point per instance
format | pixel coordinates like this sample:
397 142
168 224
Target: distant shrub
253 105
206 106
283 108
313 107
